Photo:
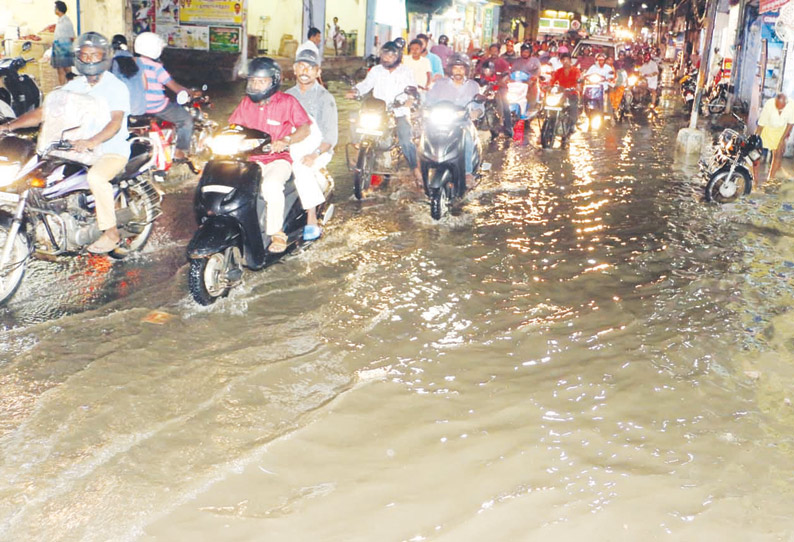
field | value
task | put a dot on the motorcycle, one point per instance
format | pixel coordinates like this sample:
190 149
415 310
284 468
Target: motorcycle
716 96
688 85
491 120
47 208
442 156
729 172
163 133
557 118
232 215
378 149
636 98
19 93
593 99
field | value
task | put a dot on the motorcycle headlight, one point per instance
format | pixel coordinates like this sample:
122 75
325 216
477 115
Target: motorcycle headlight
231 144
443 116
594 78
554 100
369 121
8 173
632 80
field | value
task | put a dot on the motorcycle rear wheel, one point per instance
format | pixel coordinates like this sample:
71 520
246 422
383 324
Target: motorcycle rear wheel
363 174
717 105
547 134
11 274
141 226
204 279
727 187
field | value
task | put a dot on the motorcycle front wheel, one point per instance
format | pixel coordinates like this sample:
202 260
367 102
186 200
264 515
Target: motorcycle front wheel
363 174
547 133
717 105
205 279
12 272
440 199
138 200
727 187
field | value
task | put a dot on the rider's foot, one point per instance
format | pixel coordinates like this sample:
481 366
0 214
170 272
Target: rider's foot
278 243
312 232
418 176
107 242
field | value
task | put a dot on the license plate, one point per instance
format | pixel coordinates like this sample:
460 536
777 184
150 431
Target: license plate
368 132
9 198
553 108
689 97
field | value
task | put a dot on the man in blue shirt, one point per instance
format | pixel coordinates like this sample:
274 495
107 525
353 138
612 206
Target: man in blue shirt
436 65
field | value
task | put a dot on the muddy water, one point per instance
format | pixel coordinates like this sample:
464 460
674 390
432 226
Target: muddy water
584 351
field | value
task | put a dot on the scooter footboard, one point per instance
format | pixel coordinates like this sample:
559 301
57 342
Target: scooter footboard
215 235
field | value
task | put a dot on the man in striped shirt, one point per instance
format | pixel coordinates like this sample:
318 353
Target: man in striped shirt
150 46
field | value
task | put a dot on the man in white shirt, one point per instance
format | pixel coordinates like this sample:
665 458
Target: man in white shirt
419 65
312 43
650 70
386 81
604 70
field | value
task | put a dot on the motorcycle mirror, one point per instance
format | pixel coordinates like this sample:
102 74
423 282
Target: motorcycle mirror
479 98
26 46
182 97
412 91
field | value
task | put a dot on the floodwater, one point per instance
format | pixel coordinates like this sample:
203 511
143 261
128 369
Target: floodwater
584 351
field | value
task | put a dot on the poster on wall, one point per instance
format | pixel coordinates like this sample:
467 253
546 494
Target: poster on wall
196 37
224 39
142 16
167 12
171 34
221 12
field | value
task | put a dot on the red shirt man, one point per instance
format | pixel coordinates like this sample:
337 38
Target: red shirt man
278 117
568 76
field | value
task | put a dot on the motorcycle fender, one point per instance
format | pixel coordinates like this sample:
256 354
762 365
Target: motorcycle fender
214 235
439 180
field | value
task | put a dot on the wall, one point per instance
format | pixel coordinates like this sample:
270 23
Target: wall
286 17
103 16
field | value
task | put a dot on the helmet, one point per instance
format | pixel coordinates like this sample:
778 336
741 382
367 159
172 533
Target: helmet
443 40
459 59
488 68
509 40
149 44
96 41
755 142
526 47
601 55
562 49
392 47
263 67
119 42
400 43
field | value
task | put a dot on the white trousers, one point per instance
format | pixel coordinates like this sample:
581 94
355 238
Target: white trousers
310 182
274 176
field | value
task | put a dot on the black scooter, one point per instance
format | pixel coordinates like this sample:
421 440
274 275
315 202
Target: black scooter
19 93
442 156
232 216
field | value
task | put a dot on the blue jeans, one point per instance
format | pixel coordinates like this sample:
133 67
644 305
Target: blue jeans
176 114
468 150
406 143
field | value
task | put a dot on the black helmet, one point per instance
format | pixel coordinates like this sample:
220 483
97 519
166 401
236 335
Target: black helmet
443 40
755 142
400 43
488 67
93 40
263 67
119 42
459 59
526 47
391 47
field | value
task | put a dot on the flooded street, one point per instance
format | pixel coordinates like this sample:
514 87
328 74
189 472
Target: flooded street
584 351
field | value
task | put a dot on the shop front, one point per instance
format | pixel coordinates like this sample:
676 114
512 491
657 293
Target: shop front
468 25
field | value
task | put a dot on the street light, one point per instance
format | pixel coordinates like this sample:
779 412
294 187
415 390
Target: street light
645 6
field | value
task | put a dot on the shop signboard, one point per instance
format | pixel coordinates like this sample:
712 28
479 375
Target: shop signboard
487 25
219 12
547 25
765 6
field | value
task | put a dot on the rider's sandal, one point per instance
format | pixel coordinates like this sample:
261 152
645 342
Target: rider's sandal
103 245
278 243
312 232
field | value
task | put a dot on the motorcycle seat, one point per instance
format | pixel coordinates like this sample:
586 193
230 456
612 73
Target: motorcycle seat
140 153
140 121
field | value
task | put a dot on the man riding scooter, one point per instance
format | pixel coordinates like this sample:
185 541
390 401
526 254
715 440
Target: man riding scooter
282 117
606 71
459 90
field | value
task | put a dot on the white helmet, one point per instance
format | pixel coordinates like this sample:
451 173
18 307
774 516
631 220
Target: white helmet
149 44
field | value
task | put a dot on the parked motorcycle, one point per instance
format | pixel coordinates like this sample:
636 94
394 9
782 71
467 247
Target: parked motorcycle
19 92
688 86
557 117
716 96
232 216
378 149
47 208
442 156
163 133
593 99
729 172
